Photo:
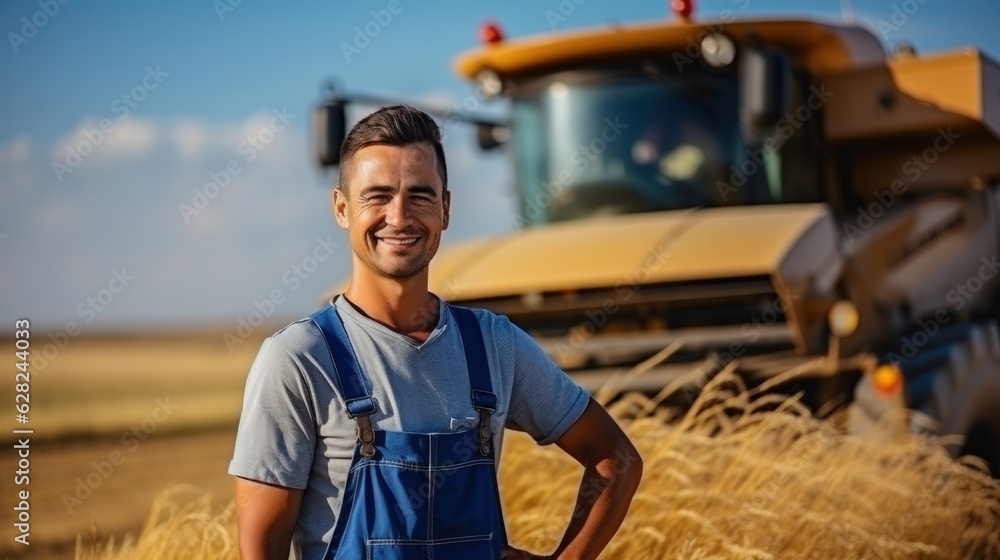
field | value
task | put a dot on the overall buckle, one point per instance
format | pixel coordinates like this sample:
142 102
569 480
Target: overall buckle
485 402
485 431
366 435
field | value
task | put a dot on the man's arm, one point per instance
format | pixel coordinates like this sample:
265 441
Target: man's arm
265 518
612 470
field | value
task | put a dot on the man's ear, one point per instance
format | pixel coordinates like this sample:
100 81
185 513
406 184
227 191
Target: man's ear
338 200
447 209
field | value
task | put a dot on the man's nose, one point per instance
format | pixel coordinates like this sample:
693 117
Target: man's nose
398 212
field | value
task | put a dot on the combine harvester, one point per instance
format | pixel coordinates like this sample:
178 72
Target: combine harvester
781 195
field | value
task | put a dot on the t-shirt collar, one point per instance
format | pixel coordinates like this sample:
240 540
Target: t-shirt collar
347 309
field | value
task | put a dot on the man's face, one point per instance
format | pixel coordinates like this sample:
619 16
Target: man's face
394 209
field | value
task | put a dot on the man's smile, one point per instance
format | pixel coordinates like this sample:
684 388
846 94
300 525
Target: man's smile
399 241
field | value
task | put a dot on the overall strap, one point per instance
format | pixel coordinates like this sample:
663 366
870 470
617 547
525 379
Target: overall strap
357 399
483 397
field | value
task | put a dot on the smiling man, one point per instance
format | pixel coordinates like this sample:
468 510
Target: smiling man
372 428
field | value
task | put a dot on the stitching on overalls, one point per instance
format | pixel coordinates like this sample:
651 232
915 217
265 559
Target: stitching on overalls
446 540
430 486
420 468
455 466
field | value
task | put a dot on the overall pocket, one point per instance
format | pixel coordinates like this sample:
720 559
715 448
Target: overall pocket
456 548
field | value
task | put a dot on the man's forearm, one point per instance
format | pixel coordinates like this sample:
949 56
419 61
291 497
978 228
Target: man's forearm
605 494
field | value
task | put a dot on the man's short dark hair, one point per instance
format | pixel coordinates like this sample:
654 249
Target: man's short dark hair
398 125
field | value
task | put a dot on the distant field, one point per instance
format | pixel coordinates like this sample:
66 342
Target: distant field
105 385
168 404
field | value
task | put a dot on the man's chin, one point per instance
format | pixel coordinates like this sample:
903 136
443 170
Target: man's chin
401 270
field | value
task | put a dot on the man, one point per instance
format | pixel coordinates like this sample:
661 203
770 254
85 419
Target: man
371 429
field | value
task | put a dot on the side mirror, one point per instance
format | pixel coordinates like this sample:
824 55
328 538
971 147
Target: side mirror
329 131
765 82
491 136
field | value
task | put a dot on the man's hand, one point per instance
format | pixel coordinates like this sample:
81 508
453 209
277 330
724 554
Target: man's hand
612 470
266 515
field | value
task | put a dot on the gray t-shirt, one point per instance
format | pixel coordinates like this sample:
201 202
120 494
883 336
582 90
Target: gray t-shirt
294 430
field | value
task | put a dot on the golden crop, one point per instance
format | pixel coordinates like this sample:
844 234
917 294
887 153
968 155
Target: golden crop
733 478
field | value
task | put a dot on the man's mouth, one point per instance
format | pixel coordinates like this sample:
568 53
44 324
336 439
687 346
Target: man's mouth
398 241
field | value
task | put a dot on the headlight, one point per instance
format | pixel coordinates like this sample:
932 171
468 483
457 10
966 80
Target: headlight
718 50
490 84
843 318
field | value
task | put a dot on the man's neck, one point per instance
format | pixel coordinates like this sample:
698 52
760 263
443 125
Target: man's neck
405 306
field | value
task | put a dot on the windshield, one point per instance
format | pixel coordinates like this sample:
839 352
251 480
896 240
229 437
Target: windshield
597 144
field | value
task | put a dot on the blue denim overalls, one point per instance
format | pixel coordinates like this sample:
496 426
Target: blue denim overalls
416 496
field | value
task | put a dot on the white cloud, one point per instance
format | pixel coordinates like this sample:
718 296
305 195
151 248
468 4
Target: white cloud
127 139
190 137
133 137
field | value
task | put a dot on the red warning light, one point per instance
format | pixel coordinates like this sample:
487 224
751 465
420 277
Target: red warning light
683 8
490 33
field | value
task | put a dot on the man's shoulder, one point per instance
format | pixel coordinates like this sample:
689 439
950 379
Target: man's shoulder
299 337
495 326
486 318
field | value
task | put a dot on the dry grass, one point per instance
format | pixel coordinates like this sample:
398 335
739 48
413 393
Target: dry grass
181 526
733 478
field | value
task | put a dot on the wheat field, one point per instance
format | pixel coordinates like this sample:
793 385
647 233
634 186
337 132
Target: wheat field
734 477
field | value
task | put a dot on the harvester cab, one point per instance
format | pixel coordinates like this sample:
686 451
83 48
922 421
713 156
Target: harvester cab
779 195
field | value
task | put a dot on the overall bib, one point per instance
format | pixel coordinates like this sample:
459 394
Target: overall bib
413 496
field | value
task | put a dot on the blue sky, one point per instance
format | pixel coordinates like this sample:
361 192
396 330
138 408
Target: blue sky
102 242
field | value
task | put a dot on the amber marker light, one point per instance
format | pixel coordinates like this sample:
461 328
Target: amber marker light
888 379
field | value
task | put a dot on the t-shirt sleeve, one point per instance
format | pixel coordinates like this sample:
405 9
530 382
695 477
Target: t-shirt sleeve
544 402
277 432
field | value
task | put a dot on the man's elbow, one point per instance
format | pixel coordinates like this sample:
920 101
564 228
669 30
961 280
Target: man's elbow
623 467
